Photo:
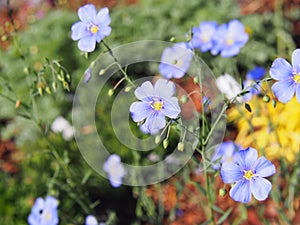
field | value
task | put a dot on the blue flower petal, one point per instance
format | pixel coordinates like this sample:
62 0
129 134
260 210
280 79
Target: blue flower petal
281 69
296 60
256 74
231 172
87 13
156 121
164 88
87 44
171 108
260 188
298 92
91 220
51 202
105 31
140 111
103 17
230 51
79 30
144 91
263 167
284 90
38 205
241 191
246 158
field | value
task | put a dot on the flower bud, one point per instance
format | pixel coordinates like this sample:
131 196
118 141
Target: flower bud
102 72
184 99
110 92
222 192
180 146
165 143
266 98
157 139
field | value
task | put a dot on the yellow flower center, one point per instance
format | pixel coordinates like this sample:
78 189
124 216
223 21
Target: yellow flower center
248 174
47 216
297 78
94 29
230 41
157 105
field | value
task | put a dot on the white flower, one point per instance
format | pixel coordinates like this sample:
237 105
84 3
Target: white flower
61 125
229 86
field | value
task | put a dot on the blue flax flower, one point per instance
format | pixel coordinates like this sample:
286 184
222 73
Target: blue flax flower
115 170
202 36
175 61
156 102
44 212
247 173
229 38
91 220
225 152
251 83
288 76
92 28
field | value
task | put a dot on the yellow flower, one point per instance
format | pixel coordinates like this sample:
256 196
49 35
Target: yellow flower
275 132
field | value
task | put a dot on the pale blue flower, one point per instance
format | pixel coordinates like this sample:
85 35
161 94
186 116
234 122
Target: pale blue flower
202 36
156 102
229 38
114 169
44 212
252 83
175 61
288 77
91 220
247 173
225 152
93 27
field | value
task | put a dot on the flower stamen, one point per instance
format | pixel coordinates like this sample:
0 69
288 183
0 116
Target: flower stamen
157 105
248 174
94 29
297 78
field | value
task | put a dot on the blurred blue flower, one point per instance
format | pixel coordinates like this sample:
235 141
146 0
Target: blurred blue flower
155 103
288 77
175 61
202 36
92 28
91 220
229 38
114 169
44 212
225 152
251 83
247 173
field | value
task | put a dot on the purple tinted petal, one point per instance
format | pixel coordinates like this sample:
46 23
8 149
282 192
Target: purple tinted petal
229 52
296 60
103 17
284 90
298 92
281 69
140 111
164 88
79 30
260 188
91 220
231 172
144 91
87 44
39 204
241 192
115 181
171 108
246 158
51 202
236 27
156 121
263 167
87 13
